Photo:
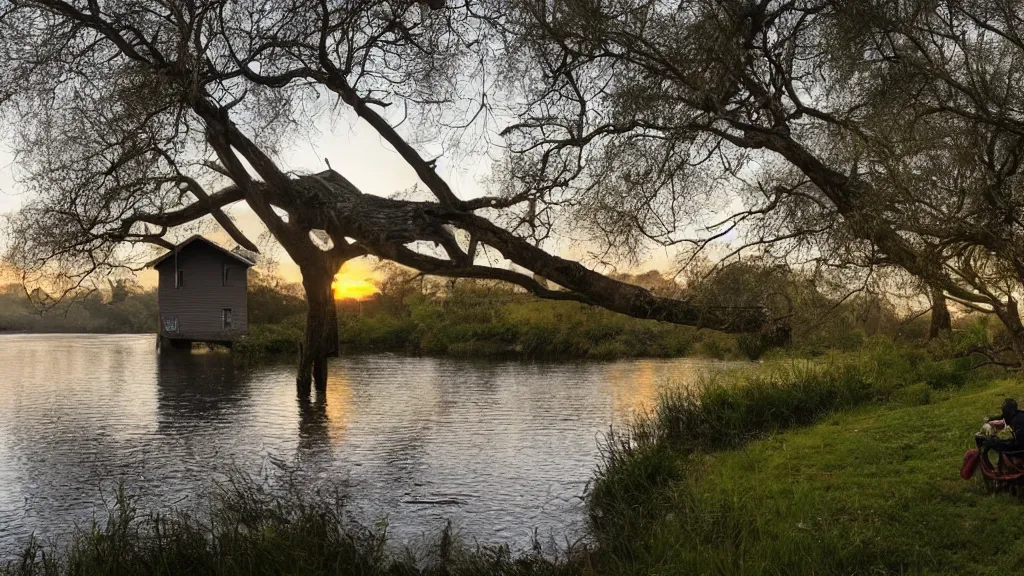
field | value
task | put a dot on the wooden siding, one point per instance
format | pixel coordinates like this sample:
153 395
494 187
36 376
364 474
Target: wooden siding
199 303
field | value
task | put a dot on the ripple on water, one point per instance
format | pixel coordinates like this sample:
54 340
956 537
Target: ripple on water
500 448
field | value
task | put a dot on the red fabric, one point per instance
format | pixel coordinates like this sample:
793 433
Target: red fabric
971 459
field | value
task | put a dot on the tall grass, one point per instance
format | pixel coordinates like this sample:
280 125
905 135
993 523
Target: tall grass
253 530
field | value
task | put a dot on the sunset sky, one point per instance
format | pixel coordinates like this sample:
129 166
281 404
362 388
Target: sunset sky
356 151
355 281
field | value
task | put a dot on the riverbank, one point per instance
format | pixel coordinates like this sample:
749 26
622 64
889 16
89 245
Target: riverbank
126 312
842 465
872 491
870 486
517 329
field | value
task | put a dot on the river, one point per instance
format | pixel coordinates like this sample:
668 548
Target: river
498 448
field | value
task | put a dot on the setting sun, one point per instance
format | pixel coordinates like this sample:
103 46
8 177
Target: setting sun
354 282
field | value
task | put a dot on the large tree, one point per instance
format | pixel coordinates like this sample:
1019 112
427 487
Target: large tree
855 133
132 118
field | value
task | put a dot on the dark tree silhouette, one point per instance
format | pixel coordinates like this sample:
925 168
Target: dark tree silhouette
856 133
127 114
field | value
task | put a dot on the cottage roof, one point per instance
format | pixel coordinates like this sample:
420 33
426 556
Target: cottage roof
241 259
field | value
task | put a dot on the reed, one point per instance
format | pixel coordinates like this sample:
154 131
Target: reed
253 529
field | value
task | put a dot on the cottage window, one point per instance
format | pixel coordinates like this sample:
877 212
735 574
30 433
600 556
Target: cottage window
227 275
179 279
225 318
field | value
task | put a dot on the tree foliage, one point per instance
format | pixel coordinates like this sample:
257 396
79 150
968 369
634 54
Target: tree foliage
127 113
837 134
832 134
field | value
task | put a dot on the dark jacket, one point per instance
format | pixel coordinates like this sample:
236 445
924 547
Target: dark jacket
1016 423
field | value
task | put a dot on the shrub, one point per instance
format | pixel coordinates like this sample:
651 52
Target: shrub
271 339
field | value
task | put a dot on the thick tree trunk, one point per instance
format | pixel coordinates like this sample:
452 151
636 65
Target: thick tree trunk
321 337
1009 315
941 322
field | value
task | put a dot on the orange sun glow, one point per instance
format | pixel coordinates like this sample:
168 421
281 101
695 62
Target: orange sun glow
352 283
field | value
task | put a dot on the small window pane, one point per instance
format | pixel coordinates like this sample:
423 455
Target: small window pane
225 317
179 280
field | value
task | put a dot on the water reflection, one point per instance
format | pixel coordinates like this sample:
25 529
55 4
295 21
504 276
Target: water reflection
635 385
500 448
313 428
72 413
337 403
196 389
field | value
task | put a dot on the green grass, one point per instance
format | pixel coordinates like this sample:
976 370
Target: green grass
875 490
729 479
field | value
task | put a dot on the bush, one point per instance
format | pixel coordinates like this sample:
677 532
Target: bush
716 346
382 332
271 339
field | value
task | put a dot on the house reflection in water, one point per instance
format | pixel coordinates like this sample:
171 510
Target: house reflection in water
204 390
197 390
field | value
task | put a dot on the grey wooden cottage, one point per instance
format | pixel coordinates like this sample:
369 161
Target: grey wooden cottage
202 294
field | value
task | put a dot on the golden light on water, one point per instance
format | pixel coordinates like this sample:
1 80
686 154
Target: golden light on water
354 282
339 404
635 386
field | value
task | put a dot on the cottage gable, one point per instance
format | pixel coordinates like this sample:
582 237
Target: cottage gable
202 292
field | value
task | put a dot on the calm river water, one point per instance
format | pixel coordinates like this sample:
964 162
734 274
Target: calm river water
500 449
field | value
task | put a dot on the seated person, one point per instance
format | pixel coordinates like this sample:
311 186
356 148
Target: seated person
1001 432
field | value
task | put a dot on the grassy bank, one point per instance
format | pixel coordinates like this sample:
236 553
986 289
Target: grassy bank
734 482
846 464
520 326
506 325
871 491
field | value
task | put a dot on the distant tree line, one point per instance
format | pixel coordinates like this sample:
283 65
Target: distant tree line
123 307
420 314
